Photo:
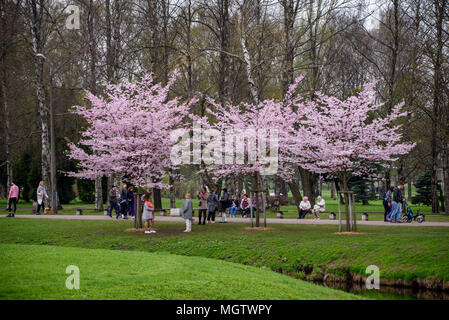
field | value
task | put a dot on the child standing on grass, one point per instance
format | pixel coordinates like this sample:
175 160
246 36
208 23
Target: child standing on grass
148 213
187 212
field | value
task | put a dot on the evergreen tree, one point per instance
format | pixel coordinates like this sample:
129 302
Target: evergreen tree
361 190
423 189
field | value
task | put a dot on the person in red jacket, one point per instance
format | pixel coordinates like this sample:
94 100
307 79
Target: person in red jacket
13 198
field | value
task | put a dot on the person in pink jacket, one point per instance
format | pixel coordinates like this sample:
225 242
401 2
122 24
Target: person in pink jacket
13 198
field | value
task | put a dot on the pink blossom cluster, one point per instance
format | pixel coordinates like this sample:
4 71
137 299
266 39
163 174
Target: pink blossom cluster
348 136
128 132
263 118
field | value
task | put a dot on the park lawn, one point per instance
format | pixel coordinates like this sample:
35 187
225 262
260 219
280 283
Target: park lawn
302 251
38 272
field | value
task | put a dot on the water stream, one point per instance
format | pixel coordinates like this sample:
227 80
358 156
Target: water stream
388 292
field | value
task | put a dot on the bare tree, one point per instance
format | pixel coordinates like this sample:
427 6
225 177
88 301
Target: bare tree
9 17
36 14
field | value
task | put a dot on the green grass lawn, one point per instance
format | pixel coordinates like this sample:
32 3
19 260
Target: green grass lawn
302 251
38 272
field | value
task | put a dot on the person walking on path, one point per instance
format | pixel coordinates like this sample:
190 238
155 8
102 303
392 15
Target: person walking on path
202 196
148 213
113 201
304 208
41 196
320 206
212 206
13 199
187 212
386 199
395 215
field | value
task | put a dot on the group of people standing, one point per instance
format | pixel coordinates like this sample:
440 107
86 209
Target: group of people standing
211 202
305 208
392 201
122 202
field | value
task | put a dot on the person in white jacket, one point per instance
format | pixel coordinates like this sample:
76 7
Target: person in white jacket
320 206
304 208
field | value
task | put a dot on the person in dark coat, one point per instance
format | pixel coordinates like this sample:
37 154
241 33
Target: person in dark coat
386 199
124 201
113 201
212 205
224 203
130 201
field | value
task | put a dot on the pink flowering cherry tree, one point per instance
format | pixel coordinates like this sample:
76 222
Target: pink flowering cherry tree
250 139
344 137
128 132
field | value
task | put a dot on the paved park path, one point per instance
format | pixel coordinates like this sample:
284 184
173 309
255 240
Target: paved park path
244 220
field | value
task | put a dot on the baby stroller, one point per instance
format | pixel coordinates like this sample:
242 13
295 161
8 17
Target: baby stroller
409 216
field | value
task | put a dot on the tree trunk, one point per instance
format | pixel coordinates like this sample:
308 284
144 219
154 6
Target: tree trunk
98 195
9 175
157 199
409 191
93 87
223 67
337 188
277 192
247 186
439 9
440 190
308 181
296 193
387 178
267 191
36 19
172 192
239 185
110 183
332 187
346 197
446 176
256 192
